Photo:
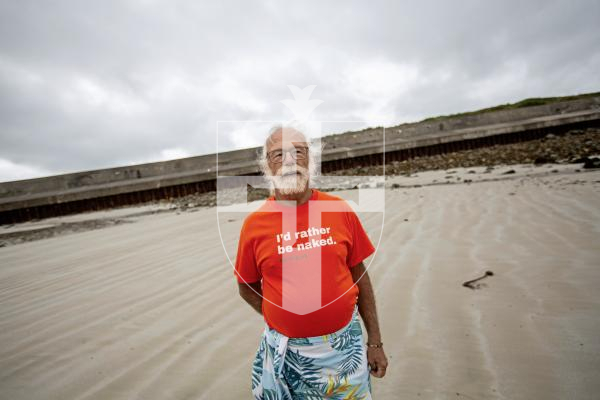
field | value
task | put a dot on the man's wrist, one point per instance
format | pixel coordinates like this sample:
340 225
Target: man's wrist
374 338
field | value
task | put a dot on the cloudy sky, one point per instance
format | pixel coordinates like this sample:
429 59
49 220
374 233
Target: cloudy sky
96 84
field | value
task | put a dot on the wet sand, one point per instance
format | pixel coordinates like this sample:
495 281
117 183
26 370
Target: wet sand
150 309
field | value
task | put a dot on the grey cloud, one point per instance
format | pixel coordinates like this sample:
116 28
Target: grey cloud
88 85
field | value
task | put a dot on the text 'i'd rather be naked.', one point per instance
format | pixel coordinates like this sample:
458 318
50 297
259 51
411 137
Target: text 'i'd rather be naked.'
310 244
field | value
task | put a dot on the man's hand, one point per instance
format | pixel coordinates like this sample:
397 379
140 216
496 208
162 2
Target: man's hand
377 361
366 306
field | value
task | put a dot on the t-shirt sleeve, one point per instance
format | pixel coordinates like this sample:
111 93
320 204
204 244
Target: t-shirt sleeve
361 244
246 270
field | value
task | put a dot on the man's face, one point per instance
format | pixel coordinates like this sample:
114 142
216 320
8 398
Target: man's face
287 158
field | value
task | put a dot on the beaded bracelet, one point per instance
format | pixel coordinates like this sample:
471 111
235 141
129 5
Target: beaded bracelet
376 345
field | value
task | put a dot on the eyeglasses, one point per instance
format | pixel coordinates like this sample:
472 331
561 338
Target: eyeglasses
297 153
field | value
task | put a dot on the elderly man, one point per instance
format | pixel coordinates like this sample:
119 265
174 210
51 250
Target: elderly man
300 265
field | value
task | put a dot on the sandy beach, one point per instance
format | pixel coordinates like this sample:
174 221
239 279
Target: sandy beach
149 309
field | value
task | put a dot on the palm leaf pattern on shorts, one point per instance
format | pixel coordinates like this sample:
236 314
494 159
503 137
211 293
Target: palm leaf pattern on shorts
300 341
301 371
269 394
257 365
350 345
308 377
340 389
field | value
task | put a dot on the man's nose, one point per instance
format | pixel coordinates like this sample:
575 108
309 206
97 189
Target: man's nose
288 159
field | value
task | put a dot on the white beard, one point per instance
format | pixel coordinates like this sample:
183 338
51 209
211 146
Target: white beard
290 184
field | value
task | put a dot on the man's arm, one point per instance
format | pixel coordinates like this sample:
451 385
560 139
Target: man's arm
252 297
368 312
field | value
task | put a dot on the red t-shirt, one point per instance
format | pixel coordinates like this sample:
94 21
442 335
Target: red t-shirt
304 263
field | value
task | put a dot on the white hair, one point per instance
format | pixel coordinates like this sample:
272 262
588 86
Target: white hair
314 150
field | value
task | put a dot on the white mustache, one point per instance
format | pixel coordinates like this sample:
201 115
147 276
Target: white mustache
292 183
291 169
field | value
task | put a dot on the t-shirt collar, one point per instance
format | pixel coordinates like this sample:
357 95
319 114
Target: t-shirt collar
274 203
